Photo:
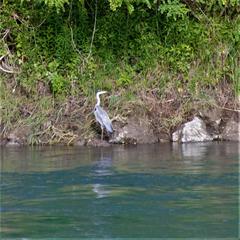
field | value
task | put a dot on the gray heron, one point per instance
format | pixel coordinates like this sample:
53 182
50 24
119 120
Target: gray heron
101 116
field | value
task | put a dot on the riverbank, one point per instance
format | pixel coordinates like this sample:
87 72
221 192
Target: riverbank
145 118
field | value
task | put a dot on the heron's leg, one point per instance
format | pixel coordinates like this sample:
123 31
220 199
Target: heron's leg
102 133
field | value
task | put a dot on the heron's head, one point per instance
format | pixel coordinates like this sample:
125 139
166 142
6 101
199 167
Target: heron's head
101 92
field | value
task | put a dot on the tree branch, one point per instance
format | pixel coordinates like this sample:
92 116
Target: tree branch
94 30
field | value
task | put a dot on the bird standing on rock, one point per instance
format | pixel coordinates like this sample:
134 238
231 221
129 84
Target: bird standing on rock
102 116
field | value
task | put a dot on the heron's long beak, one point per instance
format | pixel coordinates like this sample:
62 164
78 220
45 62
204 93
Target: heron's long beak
102 92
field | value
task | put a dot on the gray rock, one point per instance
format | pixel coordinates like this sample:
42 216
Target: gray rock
231 131
134 132
213 114
13 140
3 141
193 131
12 143
80 143
18 136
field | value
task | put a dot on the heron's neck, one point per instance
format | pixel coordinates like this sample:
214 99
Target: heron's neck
98 100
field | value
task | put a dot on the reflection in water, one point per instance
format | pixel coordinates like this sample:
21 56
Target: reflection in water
151 191
102 168
192 155
133 158
100 190
194 151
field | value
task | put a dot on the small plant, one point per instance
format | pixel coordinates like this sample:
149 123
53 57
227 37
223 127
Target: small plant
179 57
126 77
58 83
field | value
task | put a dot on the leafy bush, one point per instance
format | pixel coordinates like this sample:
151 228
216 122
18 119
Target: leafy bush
59 42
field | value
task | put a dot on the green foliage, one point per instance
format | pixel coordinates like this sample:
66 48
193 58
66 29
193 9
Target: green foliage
126 77
220 4
59 84
114 4
173 9
59 4
132 38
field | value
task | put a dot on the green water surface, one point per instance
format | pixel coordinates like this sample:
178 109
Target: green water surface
147 191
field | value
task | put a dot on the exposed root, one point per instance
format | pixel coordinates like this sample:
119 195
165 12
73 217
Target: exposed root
53 135
5 65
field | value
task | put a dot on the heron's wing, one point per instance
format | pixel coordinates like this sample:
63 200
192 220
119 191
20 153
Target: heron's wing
98 116
103 119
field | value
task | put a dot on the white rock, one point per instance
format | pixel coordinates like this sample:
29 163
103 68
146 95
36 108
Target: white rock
176 135
193 131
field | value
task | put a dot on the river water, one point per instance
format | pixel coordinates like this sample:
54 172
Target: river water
151 191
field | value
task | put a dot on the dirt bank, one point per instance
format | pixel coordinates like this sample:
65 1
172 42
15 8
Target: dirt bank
150 118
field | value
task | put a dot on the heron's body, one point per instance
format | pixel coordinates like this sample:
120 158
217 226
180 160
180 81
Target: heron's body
102 116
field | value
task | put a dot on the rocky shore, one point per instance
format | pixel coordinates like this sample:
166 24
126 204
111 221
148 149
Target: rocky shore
204 125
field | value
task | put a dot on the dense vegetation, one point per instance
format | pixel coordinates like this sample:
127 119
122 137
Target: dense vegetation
54 49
